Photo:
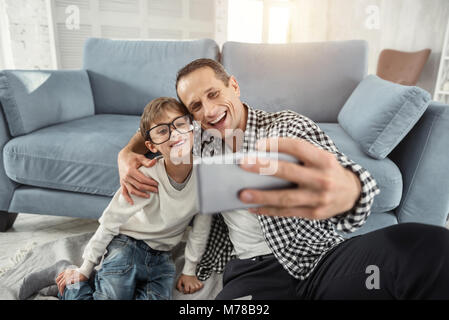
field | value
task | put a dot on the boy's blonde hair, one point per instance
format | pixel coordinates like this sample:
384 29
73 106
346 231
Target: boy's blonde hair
156 110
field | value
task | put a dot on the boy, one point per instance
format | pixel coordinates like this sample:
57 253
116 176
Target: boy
138 238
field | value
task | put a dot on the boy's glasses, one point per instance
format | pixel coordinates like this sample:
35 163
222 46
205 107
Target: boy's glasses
162 132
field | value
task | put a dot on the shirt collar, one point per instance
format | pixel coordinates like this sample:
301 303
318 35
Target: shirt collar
250 137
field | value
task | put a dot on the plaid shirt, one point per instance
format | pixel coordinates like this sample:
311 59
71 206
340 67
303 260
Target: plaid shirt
298 244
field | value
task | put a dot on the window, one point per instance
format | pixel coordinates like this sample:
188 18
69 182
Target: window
245 20
279 24
130 19
259 21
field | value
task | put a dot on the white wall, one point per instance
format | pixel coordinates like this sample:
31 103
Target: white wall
2 58
130 19
25 31
2 53
25 35
31 29
309 21
5 46
406 25
221 21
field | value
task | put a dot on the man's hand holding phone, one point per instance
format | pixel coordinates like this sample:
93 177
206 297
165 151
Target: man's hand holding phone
324 188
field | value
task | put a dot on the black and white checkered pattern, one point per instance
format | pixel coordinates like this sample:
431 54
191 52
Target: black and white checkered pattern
298 244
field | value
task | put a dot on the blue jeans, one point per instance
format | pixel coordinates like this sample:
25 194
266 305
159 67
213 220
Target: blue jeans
131 270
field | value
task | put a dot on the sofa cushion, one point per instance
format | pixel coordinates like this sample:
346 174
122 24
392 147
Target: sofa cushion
423 156
79 156
126 75
379 114
385 172
58 202
375 221
34 99
313 79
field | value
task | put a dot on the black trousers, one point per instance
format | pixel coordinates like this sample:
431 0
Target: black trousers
405 261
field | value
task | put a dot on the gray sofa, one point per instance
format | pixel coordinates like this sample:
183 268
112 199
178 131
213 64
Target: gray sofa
61 131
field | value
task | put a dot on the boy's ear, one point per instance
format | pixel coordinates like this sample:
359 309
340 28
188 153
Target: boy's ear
151 147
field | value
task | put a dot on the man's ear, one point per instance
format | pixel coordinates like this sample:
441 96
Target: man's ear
151 147
235 85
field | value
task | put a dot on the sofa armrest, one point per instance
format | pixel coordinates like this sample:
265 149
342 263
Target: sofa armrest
7 186
33 99
423 157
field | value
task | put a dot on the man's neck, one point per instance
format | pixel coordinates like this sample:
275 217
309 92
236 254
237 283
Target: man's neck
237 140
244 120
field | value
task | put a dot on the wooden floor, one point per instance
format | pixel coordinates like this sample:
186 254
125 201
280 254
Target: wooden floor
30 230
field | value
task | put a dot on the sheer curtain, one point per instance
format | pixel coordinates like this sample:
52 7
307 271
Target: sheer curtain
259 21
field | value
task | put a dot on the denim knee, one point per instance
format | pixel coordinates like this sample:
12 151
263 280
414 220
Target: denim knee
119 257
116 285
77 291
162 278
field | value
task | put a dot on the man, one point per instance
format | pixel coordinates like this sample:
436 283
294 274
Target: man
290 248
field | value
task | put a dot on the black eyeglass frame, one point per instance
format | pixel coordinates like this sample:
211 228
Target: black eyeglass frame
170 125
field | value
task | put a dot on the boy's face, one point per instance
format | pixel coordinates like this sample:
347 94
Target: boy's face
179 146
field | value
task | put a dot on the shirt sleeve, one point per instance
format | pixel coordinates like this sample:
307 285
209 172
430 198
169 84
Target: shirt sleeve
196 242
117 213
353 219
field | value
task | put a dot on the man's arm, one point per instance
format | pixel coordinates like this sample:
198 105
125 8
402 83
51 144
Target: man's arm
130 159
330 185
354 218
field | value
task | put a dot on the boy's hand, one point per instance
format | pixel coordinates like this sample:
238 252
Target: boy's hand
132 180
189 284
69 276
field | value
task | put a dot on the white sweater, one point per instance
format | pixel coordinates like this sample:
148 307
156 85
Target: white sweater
160 221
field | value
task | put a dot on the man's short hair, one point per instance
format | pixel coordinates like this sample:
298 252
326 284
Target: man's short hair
156 109
217 67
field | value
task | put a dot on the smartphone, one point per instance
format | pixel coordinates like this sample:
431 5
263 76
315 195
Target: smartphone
220 180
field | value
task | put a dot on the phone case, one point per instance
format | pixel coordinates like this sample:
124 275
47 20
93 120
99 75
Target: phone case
220 180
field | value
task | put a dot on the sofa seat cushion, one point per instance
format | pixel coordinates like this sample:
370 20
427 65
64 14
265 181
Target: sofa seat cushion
385 172
375 221
79 155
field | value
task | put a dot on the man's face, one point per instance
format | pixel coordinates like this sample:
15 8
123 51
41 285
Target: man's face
212 103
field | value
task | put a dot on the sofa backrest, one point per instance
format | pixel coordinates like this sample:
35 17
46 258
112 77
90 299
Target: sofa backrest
33 99
126 75
314 79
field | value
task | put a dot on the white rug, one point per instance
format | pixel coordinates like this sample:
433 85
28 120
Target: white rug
34 268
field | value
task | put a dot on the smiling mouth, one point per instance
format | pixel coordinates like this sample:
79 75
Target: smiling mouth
178 144
219 120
